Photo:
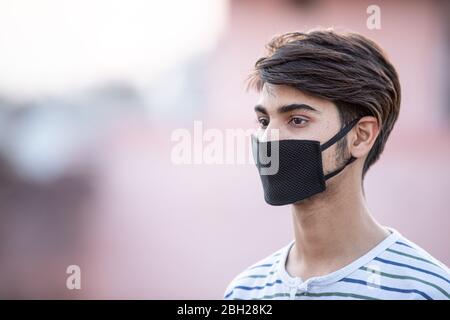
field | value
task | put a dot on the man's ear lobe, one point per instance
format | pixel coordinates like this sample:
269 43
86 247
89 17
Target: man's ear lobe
364 135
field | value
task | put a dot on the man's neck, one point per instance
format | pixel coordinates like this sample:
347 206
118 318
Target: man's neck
332 230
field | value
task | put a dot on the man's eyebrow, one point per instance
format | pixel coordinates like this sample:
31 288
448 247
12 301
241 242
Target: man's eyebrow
295 106
260 108
287 108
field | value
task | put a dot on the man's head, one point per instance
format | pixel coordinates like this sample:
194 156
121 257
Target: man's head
335 78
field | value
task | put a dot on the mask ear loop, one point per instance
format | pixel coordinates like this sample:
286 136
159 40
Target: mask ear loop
332 174
346 129
336 138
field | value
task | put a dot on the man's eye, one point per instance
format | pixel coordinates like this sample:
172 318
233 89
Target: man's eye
297 121
263 122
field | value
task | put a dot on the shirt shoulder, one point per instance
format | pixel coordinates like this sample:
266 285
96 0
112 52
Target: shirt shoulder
406 268
258 275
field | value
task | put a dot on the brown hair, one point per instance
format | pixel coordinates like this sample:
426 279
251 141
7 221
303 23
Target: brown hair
347 69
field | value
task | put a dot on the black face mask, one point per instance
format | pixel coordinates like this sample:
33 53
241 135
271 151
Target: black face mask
298 173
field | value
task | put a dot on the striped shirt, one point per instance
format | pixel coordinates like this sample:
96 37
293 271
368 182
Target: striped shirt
395 269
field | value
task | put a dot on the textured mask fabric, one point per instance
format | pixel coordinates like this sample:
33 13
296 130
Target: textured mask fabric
299 169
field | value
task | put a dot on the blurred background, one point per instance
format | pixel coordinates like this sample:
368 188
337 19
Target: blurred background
90 93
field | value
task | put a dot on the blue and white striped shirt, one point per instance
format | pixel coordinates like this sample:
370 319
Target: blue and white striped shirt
395 269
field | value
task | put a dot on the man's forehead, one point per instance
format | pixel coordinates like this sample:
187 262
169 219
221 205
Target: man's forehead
274 96
277 90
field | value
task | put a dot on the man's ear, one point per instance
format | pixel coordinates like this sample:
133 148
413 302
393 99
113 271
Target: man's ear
364 135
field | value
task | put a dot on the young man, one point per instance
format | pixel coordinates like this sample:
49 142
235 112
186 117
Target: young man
333 99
